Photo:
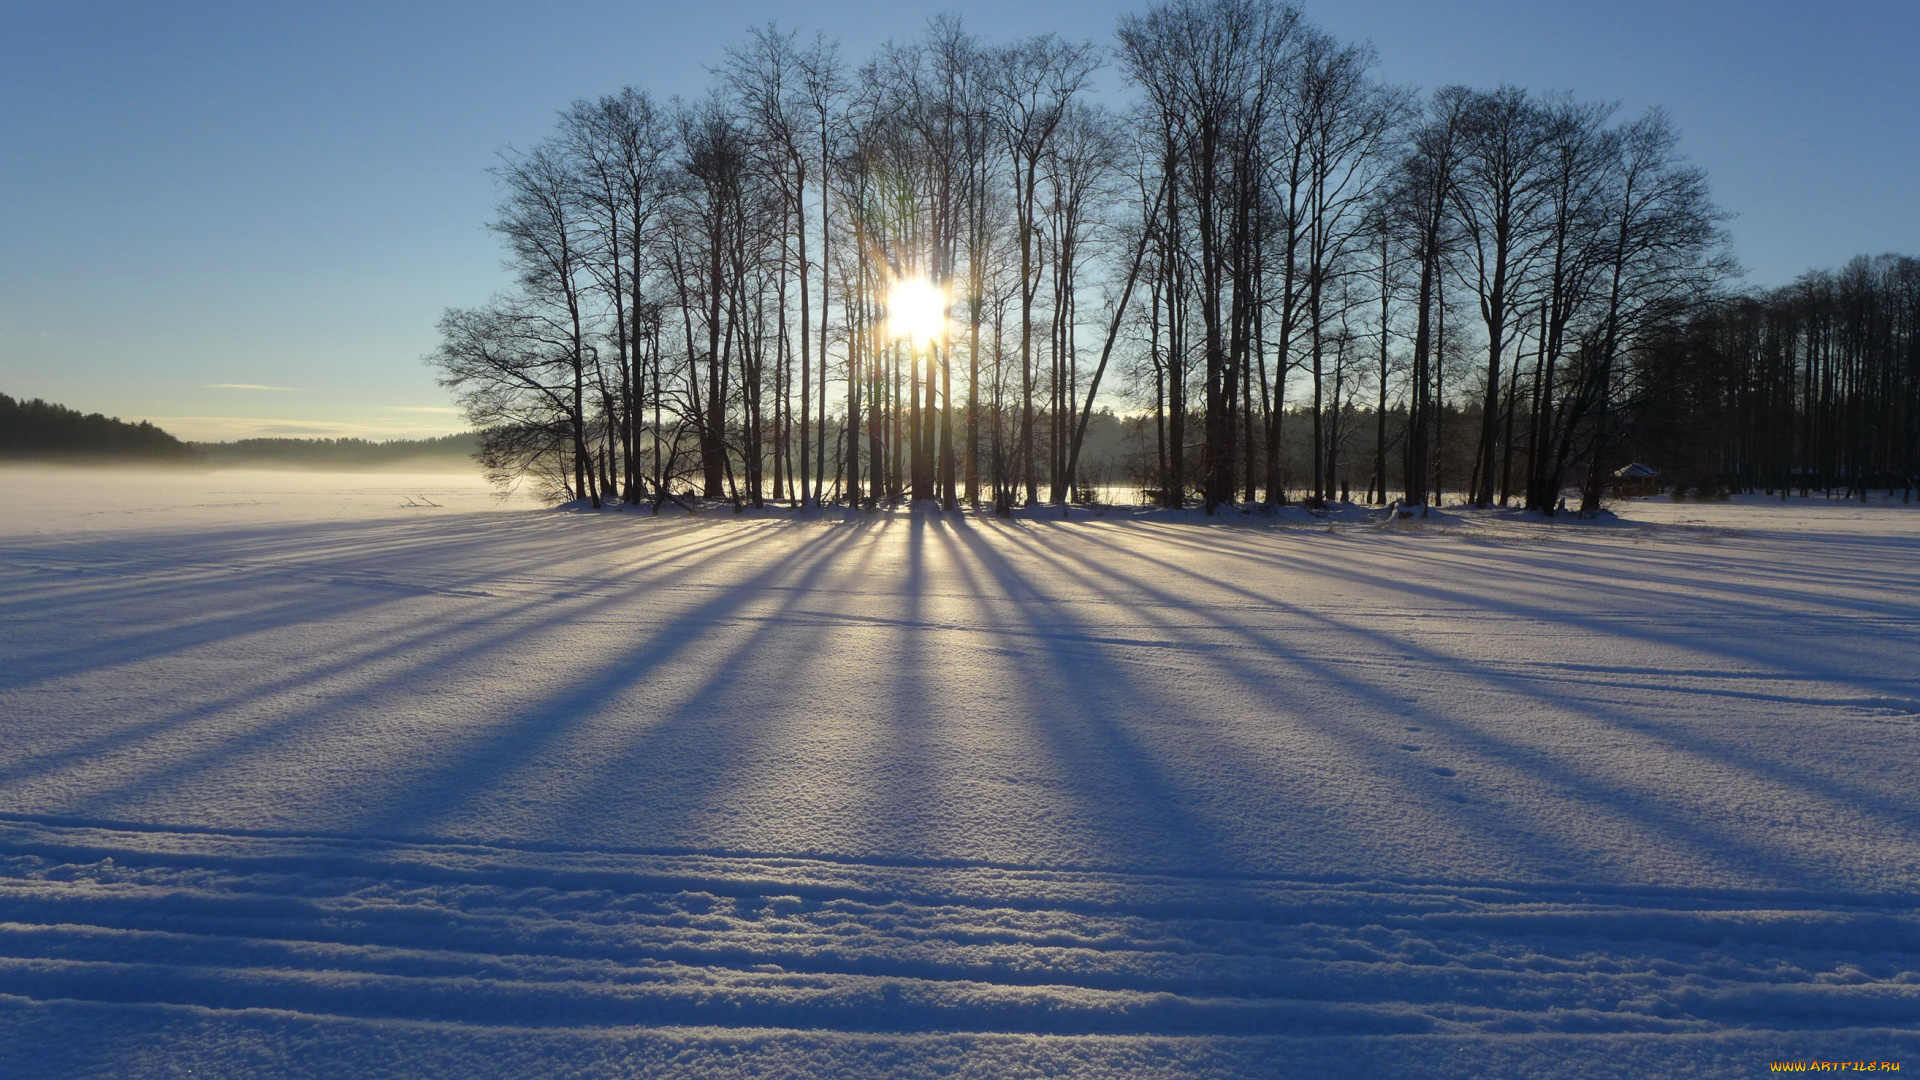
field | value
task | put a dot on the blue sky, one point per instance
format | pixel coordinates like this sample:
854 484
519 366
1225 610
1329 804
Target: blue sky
243 219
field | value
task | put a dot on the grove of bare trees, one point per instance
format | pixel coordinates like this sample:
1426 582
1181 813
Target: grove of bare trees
1291 279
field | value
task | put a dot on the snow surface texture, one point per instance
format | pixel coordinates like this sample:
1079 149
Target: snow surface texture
298 780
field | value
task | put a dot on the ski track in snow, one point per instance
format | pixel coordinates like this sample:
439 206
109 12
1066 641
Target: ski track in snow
379 792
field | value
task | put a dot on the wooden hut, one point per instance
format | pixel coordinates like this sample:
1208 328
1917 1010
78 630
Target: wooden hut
1635 480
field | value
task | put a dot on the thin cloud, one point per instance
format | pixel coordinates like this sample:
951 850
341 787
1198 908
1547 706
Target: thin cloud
243 386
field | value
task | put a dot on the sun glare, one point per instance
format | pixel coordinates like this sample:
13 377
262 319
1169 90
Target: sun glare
917 310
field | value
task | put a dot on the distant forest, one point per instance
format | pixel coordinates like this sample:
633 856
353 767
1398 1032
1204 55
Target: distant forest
38 428
1304 279
41 430
338 453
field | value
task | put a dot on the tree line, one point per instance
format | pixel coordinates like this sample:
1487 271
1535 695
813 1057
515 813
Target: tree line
42 430
34 428
1296 278
342 453
1810 387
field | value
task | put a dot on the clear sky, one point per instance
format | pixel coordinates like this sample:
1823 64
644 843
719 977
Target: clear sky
244 218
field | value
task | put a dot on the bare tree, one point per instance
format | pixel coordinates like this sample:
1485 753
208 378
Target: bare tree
1211 70
543 222
1423 194
1349 123
1665 254
1034 82
620 145
1499 197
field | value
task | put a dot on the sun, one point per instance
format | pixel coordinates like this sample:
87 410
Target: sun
916 309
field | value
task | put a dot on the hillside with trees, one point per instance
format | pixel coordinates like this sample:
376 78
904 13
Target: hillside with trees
41 429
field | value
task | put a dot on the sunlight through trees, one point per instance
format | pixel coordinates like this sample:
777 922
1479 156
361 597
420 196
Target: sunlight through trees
912 276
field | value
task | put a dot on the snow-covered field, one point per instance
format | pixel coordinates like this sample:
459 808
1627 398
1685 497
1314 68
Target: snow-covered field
299 780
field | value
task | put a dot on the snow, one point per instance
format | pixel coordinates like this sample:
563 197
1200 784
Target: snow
297 779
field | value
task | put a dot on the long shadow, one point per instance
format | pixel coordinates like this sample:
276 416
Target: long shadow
1761 863
477 770
1790 655
1078 696
214 589
485 634
290 547
1359 746
907 730
1076 700
1644 573
27 671
302 552
677 766
482 632
937 753
1636 576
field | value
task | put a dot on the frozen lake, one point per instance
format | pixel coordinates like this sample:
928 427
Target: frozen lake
299 779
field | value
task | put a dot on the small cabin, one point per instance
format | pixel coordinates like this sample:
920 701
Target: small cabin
1635 480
